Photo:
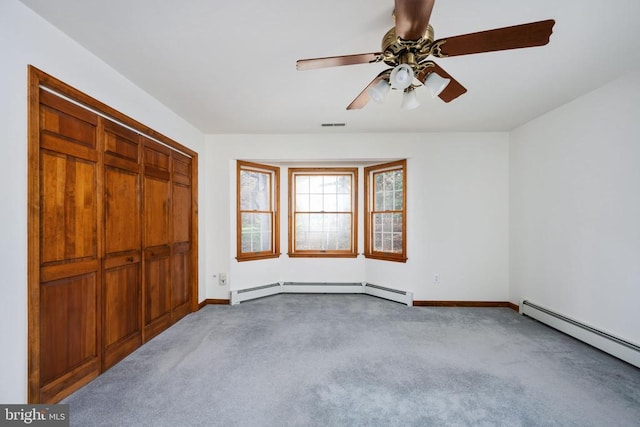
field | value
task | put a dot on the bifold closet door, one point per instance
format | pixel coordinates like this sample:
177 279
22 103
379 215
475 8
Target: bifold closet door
157 238
69 287
122 284
181 243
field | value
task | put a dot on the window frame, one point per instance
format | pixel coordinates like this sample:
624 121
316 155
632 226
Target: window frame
274 211
369 204
323 171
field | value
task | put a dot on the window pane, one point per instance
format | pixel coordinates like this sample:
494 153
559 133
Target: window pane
377 242
378 204
397 243
344 203
330 223
255 235
343 240
330 203
315 203
387 204
343 184
386 242
323 232
397 222
302 222
397 200
315 222
254 191
377 223
316 184
379 182
329 184
387 221
314 241
302 202
302 184
397 179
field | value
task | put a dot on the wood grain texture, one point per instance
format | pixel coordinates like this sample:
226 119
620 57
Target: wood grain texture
514 37
336 61
122 264
213 301
88 259
412 18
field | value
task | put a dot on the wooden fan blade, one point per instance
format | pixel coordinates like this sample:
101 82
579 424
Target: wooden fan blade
453 90
412 18
363 98
337 61
516 37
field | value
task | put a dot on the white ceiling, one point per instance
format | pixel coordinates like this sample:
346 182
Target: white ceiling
229 67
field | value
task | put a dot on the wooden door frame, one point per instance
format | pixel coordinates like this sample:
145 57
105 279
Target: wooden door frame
36 80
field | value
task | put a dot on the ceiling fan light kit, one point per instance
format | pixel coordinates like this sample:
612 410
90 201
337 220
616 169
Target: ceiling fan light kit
408 46
436 84
401 77
379 91
409 99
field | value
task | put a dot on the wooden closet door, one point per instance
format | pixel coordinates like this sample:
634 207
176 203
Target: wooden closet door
69 344
123 244
157 238
181 247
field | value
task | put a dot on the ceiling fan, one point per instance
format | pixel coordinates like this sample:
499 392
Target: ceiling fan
407 47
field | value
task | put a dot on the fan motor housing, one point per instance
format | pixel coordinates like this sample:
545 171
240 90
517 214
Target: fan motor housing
395 48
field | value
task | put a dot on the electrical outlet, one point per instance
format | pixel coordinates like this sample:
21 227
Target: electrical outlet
436 278
222 279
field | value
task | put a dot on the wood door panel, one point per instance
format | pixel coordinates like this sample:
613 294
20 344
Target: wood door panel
157 159
54 391
180 279
68 325
113 252
121 301
61 145
121 142
68 121
157 281
122 312
122 211
156 212
59 271
67 128
181 170
54 102
181 208
68 215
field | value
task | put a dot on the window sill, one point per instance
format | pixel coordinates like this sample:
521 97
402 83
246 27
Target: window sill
256 257
386 257
321 255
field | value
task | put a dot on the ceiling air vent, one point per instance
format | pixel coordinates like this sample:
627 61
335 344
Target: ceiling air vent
331 125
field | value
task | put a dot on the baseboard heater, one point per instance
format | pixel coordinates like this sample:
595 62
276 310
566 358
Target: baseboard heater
321 288
618 347
252 293
396 295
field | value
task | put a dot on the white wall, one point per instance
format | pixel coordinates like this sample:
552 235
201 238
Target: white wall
27 39
457 212
575 209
